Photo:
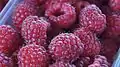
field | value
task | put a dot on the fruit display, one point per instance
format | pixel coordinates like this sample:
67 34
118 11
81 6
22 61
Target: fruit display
61 33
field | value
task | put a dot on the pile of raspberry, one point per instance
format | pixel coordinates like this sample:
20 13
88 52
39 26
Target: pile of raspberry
61 33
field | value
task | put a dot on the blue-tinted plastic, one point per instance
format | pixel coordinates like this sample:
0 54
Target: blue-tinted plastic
5 18
117 60
5 8
7 11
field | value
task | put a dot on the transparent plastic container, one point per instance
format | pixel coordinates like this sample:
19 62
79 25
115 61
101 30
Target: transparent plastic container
5 18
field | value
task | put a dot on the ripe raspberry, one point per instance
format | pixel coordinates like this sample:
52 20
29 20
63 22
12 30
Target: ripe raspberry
34 30
113 26
33 56
9 39
80 5
62 64
66 47
62 14
100 61
92 17
91 43
109 49
115 5
5 61
51 2
36 2
22 11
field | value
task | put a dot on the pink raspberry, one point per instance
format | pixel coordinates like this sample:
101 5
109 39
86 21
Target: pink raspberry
100 61
91 43
66 47
36 2
9 39
33 56
62 14
34 30
113 26
51 2
22 11
5 61
62 64
82 62
92 17
115 5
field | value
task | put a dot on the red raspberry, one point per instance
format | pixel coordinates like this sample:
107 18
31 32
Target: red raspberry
34 30
36 2
100 61
92 17
5 61
80 5
33 56
91 43
109 49
62 64
22 11
66 47
113 26
62 14
115 5
9 39
51 2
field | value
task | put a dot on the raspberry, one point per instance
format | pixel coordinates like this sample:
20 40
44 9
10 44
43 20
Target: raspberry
65 47
36 2
62 64
62 14
22 11
51 2
9 39
33 56
113 26
92 17
82 62
34 30
115 5
100 61
80 5
5 61
91 43
109 49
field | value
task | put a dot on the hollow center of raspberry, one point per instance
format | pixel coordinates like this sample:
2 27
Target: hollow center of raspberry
58 14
